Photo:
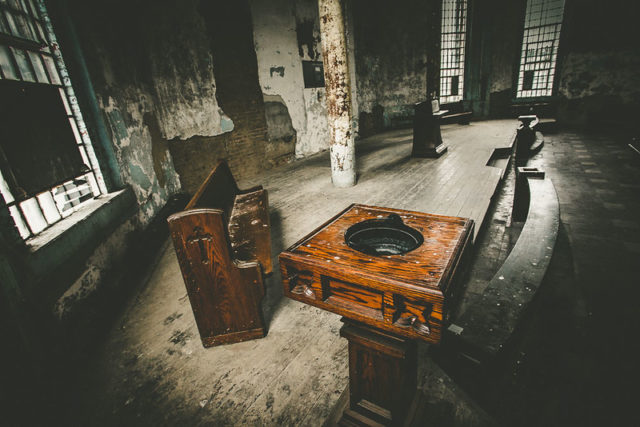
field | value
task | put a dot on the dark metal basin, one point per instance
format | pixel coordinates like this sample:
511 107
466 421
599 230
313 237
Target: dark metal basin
383 236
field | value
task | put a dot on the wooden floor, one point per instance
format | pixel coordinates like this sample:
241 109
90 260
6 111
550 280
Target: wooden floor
153 369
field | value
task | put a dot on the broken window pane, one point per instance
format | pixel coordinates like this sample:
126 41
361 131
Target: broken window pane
37 139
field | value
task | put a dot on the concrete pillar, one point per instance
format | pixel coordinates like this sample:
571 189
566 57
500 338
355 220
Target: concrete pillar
338 92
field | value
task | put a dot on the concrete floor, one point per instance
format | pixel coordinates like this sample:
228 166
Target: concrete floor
575 352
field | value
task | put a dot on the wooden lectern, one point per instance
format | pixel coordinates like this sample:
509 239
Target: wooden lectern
427 139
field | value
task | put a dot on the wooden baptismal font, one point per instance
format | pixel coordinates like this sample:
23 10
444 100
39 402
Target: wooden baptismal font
393 275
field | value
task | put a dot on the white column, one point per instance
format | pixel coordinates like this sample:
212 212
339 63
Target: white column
338 92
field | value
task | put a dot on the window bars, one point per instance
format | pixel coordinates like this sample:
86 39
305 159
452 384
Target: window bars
543 21
454 30
29 52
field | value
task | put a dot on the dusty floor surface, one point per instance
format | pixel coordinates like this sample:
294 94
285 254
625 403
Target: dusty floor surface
575 358
153 370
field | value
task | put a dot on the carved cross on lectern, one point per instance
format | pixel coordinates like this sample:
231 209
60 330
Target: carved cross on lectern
199 237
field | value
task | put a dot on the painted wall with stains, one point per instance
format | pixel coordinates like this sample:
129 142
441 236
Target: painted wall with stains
599 80
506 35
494 35
390 58
286 32
154 84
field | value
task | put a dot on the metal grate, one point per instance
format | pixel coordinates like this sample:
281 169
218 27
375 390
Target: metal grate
454 32
543 22
29 52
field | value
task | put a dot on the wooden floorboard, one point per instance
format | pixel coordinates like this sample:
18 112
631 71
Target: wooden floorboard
153 369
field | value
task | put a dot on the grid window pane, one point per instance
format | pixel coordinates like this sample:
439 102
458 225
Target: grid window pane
53 73
454 30
20 224
38 67
12 24
49 207
24 65
6 64
540 40
39 62
4 188
33 214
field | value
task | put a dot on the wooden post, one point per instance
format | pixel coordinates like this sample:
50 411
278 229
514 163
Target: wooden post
382 376
338 91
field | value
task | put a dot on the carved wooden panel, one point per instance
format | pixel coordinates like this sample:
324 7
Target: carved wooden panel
225 295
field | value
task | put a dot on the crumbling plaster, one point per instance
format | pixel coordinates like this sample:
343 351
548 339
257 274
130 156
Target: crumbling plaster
102 262
153 84
276 25
152 180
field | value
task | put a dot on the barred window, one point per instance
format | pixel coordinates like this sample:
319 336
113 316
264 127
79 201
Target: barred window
48 168
543 22
454 33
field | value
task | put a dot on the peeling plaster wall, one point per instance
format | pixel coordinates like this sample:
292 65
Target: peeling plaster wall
145 161
390 57
599 79
152 70
151 67
285 33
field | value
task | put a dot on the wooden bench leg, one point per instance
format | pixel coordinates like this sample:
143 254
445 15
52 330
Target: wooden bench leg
382 376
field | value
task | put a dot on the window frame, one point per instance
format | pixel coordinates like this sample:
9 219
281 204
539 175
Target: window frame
556 55
35 40
460 45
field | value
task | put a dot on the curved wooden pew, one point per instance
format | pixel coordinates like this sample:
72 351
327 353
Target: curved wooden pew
480 333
